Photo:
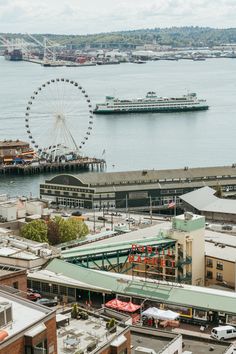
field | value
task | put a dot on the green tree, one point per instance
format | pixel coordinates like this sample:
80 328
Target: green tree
70 229
53 232
35 230
219 192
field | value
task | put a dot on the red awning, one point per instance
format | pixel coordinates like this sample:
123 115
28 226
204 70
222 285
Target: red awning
122 305
115 304
130 307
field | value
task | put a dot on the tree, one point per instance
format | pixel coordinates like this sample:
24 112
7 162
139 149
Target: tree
35 230
53 232
219 192
67 230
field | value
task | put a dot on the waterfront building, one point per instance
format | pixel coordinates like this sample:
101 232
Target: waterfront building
15 151
204 202
146 189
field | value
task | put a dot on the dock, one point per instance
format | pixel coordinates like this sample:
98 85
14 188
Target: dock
86 164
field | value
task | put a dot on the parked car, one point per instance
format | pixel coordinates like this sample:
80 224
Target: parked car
33 296
47 302
227 227
65 214
102 218
76 213
130 220
146 222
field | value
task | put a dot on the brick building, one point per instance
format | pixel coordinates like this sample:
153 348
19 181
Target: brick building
26 327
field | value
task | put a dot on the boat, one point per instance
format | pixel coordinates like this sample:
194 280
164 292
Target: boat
14 55
151 103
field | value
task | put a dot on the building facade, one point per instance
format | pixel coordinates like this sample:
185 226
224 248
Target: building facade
147 189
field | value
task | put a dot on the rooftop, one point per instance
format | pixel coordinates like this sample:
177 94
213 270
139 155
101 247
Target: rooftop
12 143
204 199
65 273
24 313
131 177
84 332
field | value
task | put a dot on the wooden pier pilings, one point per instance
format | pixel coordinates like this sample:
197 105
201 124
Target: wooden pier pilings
65 167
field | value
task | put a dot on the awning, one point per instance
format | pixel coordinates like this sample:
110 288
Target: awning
114 304
130 307
122 305
160 314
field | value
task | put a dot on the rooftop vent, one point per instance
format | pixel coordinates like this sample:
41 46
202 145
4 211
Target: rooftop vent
188 216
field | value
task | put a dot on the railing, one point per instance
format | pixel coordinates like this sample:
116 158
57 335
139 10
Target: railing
183 261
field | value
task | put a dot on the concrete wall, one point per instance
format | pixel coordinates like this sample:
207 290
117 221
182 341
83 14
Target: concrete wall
8 212
23 263
191 244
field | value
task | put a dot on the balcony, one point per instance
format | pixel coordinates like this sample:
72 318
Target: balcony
184 261
186 277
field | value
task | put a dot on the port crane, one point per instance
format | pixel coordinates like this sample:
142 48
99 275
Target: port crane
48 48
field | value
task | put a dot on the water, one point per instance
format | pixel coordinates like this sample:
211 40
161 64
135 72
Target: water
135 141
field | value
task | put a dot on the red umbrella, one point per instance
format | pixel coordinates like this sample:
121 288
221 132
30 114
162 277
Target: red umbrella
115 304
130 307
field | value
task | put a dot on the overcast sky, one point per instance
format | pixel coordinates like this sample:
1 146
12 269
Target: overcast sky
93 16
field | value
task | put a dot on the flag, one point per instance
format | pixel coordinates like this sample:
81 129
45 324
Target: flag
171 204
103 152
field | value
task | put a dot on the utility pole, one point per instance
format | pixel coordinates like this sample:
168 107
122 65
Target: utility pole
150 209
126 205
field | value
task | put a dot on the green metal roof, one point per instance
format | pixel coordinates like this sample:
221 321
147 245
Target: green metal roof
118 246
185 295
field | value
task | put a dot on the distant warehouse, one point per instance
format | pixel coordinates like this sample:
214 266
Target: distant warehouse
144 189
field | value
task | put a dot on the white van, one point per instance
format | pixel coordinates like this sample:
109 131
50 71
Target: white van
223 332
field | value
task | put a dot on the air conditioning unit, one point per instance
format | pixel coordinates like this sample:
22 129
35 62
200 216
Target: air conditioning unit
5 314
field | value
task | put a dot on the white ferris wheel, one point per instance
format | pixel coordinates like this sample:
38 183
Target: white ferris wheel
59 119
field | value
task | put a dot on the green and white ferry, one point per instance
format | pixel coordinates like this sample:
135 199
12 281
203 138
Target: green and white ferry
151 103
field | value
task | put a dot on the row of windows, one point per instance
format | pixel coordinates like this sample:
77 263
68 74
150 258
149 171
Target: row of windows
210 264
69 189
219 276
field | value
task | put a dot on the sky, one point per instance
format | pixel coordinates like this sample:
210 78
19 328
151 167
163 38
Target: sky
95 16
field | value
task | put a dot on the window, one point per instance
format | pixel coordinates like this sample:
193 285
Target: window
209 263
45 288
209 275
63 290
71 292
219 265
15 285
55 289
219 276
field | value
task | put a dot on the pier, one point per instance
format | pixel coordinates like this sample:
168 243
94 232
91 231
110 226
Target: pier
75 165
